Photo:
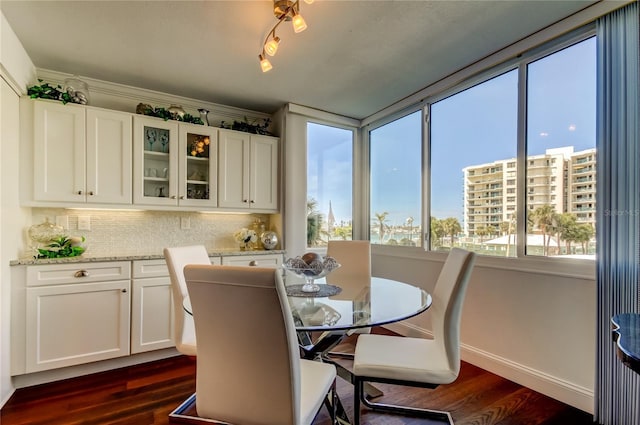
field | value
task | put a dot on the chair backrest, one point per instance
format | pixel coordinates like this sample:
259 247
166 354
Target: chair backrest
355 266
176 258
248 364
448 298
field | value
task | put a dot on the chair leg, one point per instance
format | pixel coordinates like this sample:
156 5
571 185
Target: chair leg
359 395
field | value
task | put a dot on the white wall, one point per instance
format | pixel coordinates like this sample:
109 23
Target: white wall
536 328
16 69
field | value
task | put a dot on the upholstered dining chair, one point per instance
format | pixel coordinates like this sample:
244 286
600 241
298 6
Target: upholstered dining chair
417 361
248 366
354 273
176 258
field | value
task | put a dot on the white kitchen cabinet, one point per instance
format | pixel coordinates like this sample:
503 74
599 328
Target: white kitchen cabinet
258 260
76 313
169 168
151 307
81 154
248 169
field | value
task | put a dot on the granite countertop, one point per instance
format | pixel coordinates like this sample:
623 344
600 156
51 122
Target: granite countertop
130 257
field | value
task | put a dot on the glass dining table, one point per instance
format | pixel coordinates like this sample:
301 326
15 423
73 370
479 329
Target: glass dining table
324 318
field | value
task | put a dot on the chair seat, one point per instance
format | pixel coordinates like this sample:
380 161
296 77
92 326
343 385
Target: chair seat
316 380
402 358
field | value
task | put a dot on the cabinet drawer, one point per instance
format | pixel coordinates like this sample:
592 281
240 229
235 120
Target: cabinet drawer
56 274
266 260
150 268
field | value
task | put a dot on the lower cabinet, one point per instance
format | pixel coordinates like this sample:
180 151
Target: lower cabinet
71 319
151 307
75 313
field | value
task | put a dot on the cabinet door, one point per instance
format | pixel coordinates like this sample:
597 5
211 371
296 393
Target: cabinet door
198 168
151 315
77 323
155 161
233 184
264 173
109 162
59 152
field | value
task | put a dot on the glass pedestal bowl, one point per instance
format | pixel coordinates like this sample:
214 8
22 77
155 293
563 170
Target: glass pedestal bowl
311 271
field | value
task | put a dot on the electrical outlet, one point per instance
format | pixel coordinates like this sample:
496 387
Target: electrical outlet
63 220
84 222
185 223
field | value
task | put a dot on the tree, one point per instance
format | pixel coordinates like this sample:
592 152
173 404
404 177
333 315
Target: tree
437 232
314 223
451 227
482 231
543 218
382 218
584 234
567 229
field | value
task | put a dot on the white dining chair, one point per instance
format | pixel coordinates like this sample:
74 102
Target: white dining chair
176 258
354 274
416 361
248 366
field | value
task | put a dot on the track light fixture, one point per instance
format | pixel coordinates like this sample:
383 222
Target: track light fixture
284 10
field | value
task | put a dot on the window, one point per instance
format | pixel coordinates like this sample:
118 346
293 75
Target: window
491 175
561 105
329 184
395 165
467 136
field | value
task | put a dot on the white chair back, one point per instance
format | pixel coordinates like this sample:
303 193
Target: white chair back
354 272
448 298
176 258
248 369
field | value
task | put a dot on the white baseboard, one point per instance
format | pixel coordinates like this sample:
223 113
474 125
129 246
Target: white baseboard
6 398
567 392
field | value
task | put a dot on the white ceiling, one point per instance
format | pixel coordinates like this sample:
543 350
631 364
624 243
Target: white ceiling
355 58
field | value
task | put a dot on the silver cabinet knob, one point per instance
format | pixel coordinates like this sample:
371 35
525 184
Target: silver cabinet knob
81 273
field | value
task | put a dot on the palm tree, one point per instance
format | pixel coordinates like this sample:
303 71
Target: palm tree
583 235
437 232
382 218
566 226
481 231
543 219
314 223
451 227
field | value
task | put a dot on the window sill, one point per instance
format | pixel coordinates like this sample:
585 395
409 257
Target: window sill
565 267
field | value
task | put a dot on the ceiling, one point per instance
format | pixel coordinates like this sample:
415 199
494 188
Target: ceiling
355 58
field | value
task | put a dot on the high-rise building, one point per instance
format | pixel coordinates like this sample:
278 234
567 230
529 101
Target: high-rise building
560 177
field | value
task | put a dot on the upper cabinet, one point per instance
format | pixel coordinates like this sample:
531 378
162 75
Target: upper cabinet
174 163
248 169
81 154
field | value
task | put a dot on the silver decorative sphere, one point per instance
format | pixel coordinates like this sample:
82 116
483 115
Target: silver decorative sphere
269 240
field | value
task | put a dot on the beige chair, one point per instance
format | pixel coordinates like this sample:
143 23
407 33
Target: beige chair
176 258
248 365
354 274
417 361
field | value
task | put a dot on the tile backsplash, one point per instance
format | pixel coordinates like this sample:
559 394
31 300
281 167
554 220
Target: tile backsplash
148 232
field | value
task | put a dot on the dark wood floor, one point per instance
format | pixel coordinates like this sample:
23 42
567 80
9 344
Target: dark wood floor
145 394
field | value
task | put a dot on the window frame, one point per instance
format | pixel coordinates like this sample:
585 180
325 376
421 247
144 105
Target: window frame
539 264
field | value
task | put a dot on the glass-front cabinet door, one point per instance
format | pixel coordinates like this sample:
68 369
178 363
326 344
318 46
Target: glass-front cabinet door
155 161
176 163
198 170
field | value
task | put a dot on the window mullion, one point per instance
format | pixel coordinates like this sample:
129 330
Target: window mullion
521 199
